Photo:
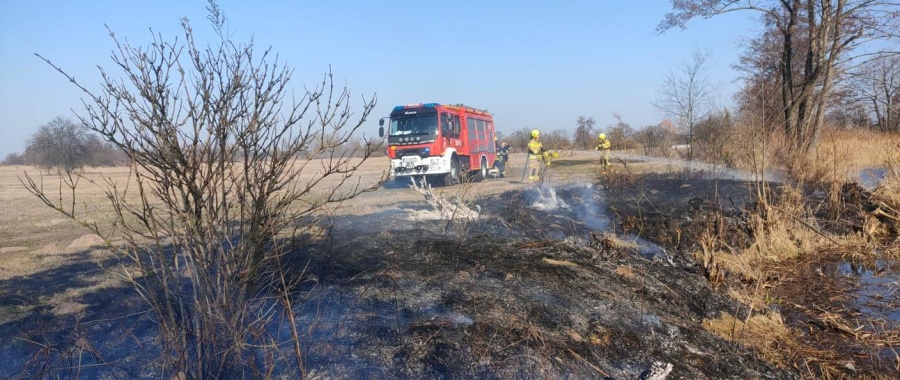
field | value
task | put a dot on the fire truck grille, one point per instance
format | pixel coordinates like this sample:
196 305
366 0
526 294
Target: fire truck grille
422 152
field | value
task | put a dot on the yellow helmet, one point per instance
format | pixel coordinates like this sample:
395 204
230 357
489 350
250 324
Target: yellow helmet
535 133
602 136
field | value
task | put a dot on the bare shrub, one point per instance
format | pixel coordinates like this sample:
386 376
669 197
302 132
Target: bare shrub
655 140
713 136
556 140
229 173
621 135
455 210
518 140
559 139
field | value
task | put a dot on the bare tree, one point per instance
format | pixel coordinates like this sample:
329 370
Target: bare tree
815 39
229 172
686 96
655 140
584 131
621 135
762 90
66 145
558 139
876 87
518 140
60 144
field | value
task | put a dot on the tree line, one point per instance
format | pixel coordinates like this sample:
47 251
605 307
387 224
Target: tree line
815 63
64 144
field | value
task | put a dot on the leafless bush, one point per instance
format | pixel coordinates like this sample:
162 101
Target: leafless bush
559 139
713 136
655 140
621 135
454 211
228 174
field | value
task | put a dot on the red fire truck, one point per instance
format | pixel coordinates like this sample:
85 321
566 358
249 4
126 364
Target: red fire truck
441 141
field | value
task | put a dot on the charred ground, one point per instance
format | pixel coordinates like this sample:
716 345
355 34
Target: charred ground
523 293
600 283
839 301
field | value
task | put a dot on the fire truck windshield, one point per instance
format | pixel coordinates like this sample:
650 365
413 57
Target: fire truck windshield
414 125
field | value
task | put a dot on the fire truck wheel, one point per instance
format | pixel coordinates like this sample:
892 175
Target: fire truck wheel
452 178
483 173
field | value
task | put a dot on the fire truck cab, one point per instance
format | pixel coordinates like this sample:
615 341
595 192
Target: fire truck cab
444 142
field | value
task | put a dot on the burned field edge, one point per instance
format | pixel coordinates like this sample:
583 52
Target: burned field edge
517 293
510 298
723 228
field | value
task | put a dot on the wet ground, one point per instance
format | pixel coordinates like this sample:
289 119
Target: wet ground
841 303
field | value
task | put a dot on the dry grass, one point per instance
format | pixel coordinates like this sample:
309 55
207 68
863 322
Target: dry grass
853 149
786 230
766 333
777 343
888 194
842 154
625 271
34 236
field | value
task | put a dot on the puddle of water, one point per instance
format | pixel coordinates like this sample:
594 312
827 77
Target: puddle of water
877 294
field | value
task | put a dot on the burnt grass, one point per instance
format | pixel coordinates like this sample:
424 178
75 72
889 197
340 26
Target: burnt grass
519 293
816 298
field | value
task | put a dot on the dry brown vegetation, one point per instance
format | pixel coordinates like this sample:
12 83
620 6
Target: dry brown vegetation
818 215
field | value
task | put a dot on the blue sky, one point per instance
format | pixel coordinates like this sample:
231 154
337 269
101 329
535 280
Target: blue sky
534 64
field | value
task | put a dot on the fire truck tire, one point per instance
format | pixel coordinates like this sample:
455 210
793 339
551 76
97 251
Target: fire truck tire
483 173
452 178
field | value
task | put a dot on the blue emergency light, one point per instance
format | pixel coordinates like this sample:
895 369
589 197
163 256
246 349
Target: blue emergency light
416 105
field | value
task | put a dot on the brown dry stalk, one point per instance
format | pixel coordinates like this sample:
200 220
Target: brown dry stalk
807 225
595 368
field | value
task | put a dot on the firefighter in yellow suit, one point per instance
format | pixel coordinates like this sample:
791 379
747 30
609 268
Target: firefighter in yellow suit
535 150
603 147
